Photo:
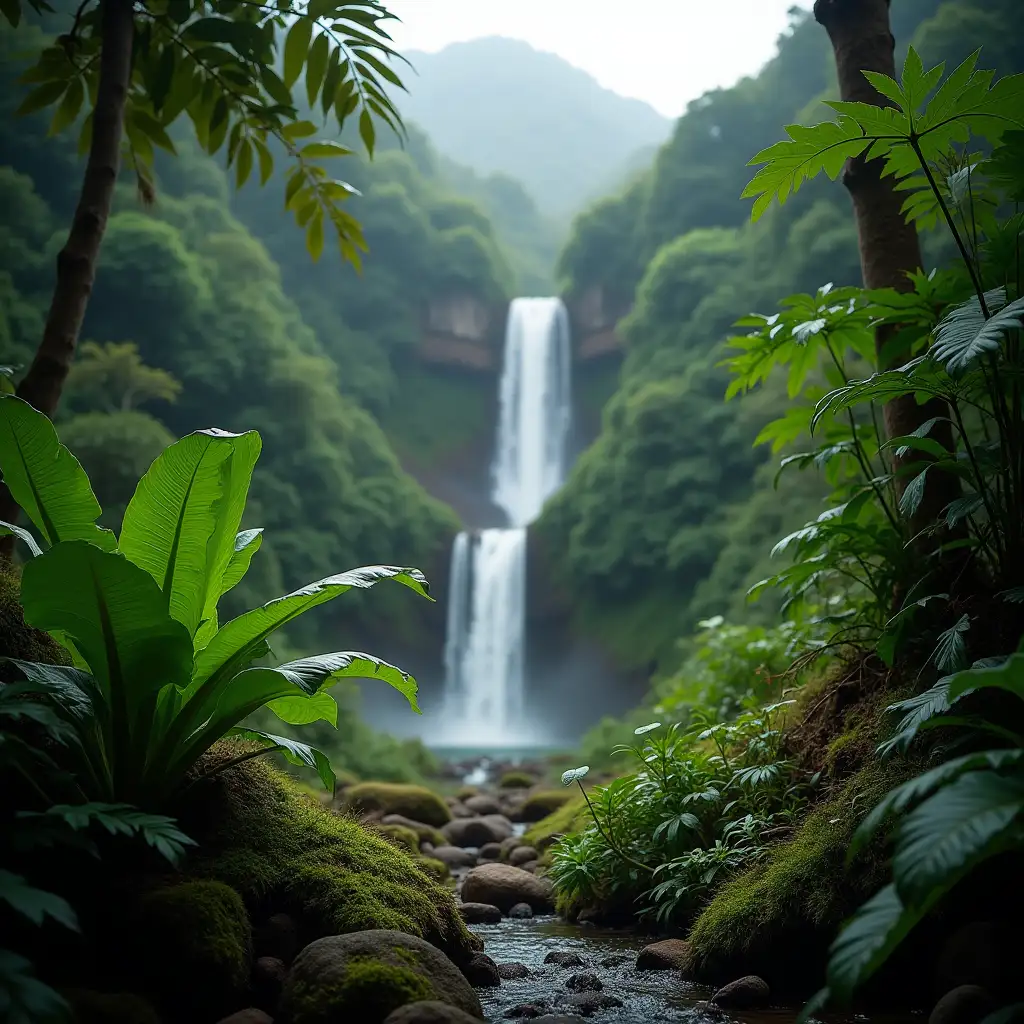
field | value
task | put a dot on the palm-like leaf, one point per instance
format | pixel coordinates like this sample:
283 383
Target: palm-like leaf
300 754
966 334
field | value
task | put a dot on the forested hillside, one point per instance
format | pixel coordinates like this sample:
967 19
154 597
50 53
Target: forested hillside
498 105
670 516
217 289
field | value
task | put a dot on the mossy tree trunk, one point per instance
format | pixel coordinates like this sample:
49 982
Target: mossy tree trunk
76 262
889 248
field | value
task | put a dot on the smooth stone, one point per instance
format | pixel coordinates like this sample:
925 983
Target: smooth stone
513 971
479 913
504 886
746 993
429 1012
584 983
521 910
483 804
965 1004
481 971
453 856
666 955
565 959
522 855
490 851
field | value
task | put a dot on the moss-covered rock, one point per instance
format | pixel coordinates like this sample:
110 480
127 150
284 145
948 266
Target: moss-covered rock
17 638
332 874
402 836
362 977
517 780
433 868
416 802
110 1008
190 947
778 919
537 806
571 816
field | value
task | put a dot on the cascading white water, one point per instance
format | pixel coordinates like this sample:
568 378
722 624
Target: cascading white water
485 643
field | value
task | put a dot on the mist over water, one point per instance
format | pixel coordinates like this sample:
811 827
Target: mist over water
483 702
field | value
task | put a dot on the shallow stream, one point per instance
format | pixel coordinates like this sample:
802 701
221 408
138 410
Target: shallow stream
648 997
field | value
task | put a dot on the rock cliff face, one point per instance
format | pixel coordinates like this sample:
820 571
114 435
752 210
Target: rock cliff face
594 319
462 331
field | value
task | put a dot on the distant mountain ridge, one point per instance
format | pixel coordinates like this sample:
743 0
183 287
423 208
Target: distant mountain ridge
499 105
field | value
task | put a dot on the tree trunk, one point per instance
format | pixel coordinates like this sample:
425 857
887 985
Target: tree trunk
889 248
76 262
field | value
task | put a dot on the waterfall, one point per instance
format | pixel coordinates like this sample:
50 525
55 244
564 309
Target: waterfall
485 642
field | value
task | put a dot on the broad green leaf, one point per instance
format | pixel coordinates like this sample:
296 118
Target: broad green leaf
29 1000
296 47
45 479
873 932
69 106
47 94
921 786
312 673
236 640
115 615
75 689
181 524
913 494
316 65
323 150
10 530
964 823
320 707
1009 675
35 904
300 754
247 543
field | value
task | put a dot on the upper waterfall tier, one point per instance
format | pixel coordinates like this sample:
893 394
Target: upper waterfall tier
535 409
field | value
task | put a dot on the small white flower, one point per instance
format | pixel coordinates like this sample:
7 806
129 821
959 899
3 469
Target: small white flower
574 775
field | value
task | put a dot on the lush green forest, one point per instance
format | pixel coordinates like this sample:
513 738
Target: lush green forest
670 516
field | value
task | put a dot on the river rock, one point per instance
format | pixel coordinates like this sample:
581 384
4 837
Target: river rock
483 804
453 856
476 831
586 1004
527 1011
479 913
481 971
521 910
508 845
504 886
531 866
268 974
490 851
521 855
584 983
430 1013
425 832
513 971
965 1004
667 955
565 959
747 993
613 961
363 976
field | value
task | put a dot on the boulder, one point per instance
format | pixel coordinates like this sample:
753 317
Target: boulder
504 886
426 833
614 961
481 971
513 971
586 1004
483 804
527 1011
965 1004
477 831
565 959
490 851
364 976
508 845
667 955
584 983
747 993
453 856
522 910
521 855
479 913
531 866
268 974
414 802
430 1012
537 806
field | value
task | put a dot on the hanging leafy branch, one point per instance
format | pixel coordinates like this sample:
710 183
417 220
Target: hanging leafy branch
231 67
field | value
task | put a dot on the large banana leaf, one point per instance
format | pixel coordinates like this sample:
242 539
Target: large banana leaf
247 543
964 823
180 525
117 618
1009 675
320 669
236 641
296 753
45 479
320 707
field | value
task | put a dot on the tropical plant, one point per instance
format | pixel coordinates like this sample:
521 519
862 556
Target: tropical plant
944 823
703 802
156 679
26 725
959 335
113 377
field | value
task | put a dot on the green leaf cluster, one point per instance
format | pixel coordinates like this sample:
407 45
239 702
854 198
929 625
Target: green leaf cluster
157 679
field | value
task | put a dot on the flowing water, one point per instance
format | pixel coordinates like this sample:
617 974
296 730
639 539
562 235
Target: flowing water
648 997
485 642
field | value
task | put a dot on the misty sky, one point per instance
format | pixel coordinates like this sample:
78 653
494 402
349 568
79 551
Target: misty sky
666 52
